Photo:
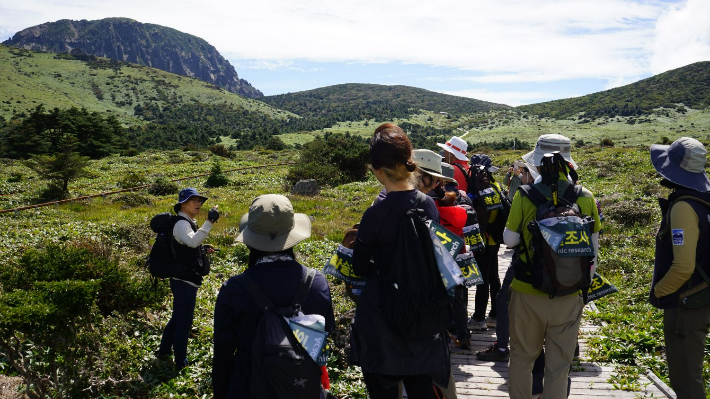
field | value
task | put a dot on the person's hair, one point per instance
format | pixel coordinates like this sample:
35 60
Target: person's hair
673 186
256 254
449 199
391 150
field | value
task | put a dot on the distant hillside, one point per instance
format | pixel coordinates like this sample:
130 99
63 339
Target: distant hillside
352 102
127 40
161 109
689 85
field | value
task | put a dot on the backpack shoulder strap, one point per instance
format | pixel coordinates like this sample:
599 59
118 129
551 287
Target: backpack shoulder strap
462 169
572 193
303 289
178 218
261 301
533 194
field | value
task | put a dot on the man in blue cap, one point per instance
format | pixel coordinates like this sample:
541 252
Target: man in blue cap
682 265
193 264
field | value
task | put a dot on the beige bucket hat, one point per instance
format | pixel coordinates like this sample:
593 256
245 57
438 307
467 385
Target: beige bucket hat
550 143
271 224
430 162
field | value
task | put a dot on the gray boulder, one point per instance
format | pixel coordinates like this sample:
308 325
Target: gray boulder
306 187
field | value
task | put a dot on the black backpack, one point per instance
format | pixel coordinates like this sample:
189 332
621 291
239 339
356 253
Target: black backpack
161 260
495 228
280 366
413 298
549 271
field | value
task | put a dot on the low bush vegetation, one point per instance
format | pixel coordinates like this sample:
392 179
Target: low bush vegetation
332 160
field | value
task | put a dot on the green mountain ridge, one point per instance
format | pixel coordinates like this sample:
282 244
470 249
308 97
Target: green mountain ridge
124 39
358 101
688 85
30 78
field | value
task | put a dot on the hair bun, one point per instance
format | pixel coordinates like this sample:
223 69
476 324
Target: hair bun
411 166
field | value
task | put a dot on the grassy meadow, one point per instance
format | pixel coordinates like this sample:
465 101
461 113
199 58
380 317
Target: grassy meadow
622 179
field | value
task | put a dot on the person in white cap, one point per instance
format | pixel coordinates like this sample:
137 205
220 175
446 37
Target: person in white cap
455 155
682 264
535 316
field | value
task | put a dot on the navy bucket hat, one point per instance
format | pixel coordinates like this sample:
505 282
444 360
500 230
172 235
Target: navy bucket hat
682 163
185 194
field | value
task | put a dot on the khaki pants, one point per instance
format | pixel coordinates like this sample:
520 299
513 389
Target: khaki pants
685 331
536 320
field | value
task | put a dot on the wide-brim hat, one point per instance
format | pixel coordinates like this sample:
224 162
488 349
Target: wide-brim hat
185 194
448 172
457 146
271 224
429 162
548 143
682 162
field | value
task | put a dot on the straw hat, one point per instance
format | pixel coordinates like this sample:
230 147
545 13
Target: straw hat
272 226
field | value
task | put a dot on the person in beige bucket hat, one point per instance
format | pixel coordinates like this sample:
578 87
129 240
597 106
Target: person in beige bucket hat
270 230
548 143
271 224
682 262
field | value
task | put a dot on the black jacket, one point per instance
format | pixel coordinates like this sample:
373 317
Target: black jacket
236 317
375 346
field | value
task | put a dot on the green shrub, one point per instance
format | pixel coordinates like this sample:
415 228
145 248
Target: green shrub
217 178
221 150
163 186
55 303
133 179
275 143
132 199
606 142
52 192
332 160
628 213
15 177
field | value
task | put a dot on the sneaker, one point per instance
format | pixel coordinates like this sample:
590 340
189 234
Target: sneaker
477 325
493 354
491 322
463 343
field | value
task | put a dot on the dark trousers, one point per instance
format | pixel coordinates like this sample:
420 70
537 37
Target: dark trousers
381 386
685 331
178 328
488 263
461 312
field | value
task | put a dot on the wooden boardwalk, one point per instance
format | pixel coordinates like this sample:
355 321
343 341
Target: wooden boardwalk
478 379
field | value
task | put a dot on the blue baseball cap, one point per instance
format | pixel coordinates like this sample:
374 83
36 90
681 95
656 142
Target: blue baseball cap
185 194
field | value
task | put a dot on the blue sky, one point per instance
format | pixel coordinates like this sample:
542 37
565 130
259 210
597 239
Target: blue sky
505 51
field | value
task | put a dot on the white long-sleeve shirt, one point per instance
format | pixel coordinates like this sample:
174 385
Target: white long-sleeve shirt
182 231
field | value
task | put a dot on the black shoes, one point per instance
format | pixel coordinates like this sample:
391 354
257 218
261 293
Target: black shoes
493 354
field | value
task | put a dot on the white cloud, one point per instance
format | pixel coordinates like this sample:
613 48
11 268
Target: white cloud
498 41
682 36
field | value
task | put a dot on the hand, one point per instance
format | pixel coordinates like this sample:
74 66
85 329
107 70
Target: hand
209 249
213 214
